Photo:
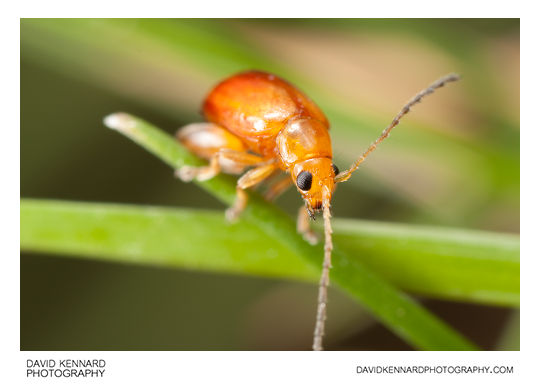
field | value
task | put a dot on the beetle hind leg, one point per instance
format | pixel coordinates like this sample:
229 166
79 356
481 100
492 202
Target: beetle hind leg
226 152
188 173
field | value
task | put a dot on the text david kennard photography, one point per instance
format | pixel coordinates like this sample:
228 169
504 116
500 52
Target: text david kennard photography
65 368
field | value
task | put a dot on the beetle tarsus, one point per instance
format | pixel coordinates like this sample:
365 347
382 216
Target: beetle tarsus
186 173
231 215
311 237
303 227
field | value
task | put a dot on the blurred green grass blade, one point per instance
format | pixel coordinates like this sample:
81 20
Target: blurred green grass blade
396 310
460 265
464 265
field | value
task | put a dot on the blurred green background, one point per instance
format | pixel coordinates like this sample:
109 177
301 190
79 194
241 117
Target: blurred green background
453 162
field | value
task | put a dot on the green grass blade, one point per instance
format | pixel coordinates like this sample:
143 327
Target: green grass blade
399 312
462 265
185 238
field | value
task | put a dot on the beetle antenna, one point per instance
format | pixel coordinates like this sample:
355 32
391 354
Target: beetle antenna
345 175
325 275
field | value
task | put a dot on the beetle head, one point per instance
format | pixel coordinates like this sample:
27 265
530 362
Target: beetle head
314 179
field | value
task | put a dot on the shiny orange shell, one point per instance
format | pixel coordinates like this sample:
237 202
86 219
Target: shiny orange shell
255 106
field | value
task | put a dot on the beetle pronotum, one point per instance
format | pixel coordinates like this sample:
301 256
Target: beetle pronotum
257 120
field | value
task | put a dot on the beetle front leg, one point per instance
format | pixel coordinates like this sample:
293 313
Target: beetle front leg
303 227
278 188
249 179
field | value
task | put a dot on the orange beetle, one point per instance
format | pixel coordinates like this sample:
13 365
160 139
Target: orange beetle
259 113
258 120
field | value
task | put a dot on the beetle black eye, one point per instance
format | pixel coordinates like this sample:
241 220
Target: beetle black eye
336 169
303 180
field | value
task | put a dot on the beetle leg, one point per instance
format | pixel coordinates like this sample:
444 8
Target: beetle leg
188 173
249 179
303 227
229 160
225 151
278 188
225 159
